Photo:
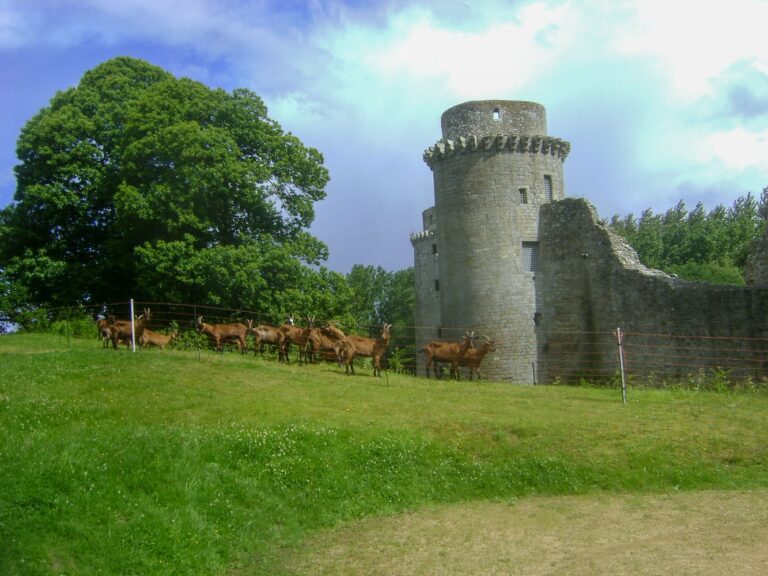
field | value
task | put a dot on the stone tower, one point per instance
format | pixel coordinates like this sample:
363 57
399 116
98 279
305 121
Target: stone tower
477 258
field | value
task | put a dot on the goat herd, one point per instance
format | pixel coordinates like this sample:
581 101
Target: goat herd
327 342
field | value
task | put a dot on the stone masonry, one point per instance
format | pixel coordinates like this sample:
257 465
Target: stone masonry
591 282
493 170
505 254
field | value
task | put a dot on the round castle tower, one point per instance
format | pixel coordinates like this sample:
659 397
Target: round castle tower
476 260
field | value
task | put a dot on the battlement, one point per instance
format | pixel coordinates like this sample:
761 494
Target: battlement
445 148
417 237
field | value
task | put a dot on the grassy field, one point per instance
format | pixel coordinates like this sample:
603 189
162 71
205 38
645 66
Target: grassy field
197 463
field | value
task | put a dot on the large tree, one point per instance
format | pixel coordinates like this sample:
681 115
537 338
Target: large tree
133 177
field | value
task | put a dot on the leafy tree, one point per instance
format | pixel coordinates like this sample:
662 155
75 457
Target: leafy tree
139 184
380 297
368 285
716 272
746 224
398 307
649 240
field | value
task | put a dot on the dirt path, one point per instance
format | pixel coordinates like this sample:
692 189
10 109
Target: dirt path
695 533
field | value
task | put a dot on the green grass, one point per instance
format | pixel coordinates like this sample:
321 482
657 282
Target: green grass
197 463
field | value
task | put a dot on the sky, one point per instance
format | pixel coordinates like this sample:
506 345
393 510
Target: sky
662 101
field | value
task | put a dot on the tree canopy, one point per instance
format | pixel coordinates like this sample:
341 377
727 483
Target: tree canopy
379 296
697 245
139 184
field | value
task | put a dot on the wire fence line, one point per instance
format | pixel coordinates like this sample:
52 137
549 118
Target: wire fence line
657 358
567 357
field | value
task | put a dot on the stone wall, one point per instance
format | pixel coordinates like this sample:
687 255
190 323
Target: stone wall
590 282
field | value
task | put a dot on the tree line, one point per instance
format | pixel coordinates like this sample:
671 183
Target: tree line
698 245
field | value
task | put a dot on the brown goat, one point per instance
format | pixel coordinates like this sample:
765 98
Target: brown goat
355 345
293 334
265 334
122 330
327 341
150 338
224 333
474 356
450 352
104 330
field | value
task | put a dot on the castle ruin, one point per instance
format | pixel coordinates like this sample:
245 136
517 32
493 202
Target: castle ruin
504 253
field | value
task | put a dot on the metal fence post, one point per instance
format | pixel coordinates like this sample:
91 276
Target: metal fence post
133 329
620 341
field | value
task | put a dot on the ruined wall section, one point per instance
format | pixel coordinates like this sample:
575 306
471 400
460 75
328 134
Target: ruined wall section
590 282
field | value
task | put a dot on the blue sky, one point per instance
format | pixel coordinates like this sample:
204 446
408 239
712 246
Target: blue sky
661 100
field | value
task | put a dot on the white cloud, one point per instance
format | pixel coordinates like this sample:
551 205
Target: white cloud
414 50
696 41
736 149
14 28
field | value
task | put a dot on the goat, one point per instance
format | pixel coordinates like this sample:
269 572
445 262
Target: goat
265 334
327 341
150 338
104 330
122 330
474 356
293 334
224 333
441 351
355 345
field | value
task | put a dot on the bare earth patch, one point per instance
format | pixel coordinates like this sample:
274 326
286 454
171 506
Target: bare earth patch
691 533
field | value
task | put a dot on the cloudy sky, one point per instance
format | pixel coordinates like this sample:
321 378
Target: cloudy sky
661 100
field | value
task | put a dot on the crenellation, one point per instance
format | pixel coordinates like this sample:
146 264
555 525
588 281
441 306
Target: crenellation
421 236
544 145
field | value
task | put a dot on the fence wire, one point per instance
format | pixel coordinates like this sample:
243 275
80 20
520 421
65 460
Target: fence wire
568 357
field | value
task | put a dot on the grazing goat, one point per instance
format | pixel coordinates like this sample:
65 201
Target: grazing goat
474 356
327 341
122 330
355 345
265 334
441 351
150 338
293 334
224 333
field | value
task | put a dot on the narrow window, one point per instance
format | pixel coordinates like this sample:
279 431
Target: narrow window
523 195
530 256
496 114
547 188
434 249
437 285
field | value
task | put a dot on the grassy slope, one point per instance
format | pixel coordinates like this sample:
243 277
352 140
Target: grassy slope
116 463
